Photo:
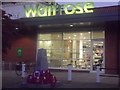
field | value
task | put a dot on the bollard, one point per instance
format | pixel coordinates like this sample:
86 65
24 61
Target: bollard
23 71
69 72
23 74
98 74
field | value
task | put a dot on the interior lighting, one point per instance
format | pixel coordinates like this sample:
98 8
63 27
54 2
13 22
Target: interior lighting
75 35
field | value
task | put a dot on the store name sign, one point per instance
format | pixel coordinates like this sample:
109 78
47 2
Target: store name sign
52 10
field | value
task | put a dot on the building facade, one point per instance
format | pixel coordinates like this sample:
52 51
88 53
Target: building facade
83 40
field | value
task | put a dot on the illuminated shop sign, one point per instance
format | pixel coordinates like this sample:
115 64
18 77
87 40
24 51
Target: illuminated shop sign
52 10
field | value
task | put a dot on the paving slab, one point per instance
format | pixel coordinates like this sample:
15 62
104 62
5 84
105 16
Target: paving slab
79 80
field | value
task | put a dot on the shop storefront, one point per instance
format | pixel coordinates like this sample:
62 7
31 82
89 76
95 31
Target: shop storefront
82 49
83 40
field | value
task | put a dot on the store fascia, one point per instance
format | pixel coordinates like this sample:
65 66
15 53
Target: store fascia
43 11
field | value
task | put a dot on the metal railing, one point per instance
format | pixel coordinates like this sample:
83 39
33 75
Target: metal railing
17 67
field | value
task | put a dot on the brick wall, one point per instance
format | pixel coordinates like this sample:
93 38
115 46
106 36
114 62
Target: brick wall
28 44
111 48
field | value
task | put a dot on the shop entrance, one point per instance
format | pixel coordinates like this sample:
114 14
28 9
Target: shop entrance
97 54
83 49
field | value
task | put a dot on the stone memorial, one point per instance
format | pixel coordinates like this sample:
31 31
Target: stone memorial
42 63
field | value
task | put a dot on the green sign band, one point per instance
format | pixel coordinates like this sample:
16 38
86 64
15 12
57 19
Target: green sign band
42 11
19 52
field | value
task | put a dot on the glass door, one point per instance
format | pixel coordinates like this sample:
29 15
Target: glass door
97 54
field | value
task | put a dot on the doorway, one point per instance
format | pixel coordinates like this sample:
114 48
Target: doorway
98 54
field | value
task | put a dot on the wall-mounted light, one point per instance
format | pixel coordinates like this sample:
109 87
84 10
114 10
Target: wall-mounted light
71 25
16 28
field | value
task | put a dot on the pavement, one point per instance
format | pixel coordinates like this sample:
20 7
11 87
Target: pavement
79 80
